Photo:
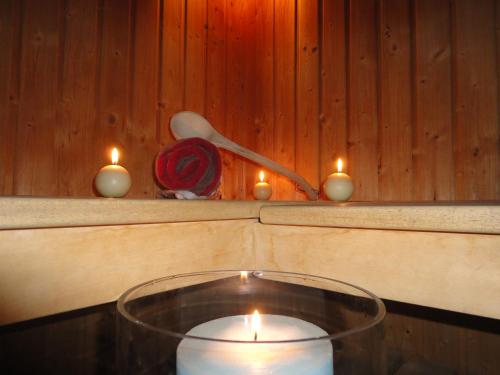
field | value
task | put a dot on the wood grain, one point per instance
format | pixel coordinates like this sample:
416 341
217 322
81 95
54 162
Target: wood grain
405 91
461 218
76 107
36 166
395 127
140 126
433 162
172 66
333 121
284 94
196 55
413 264
264 89
10 22
18 213
363 153
215 90
476 100
240 54
112 100
110 260
307 95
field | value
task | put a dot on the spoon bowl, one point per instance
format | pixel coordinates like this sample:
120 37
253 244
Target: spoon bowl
190 124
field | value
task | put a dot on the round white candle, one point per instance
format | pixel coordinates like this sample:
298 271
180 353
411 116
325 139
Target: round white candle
338 186
201 357
262 190
113 181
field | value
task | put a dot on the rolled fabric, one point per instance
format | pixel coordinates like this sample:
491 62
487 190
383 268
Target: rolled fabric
192 164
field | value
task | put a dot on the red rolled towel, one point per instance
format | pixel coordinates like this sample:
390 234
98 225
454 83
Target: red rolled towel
191 164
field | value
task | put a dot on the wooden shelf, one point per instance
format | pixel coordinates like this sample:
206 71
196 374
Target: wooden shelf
28 212
466 217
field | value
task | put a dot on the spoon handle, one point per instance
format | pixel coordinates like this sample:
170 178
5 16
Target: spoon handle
221 141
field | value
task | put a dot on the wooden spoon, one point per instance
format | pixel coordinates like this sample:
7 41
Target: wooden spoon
190 124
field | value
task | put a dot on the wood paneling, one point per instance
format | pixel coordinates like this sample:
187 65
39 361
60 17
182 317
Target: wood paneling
9 90
476 100
406 91
111 259
433 163
363 155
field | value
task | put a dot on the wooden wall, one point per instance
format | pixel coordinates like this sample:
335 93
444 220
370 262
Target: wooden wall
407 91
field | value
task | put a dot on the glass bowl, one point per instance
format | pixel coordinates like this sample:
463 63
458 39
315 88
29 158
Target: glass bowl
250 322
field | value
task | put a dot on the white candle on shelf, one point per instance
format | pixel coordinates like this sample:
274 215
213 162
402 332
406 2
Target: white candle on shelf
113 181
202 357
338 186
262 189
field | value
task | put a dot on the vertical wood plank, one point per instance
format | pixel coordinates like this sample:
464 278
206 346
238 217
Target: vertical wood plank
36 160
196 51
113 82
497 25
284 94
141 147
10 32
249 93
172 66
333 130
264 90
395 134
240 86
433 175
215 95
76 112
476 100
363 100
307 96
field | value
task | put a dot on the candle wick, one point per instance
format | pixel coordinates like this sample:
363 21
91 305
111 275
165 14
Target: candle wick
255 337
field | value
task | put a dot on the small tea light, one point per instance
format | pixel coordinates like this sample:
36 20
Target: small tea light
262 190
338 186
113 181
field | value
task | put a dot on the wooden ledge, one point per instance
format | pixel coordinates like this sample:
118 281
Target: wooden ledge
467 217
24 212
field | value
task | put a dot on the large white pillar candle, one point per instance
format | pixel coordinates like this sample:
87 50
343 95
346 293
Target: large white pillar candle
113 181
202 357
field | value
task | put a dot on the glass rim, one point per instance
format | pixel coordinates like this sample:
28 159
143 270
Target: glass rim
379 316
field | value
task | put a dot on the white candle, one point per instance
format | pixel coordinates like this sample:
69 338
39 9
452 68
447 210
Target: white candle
113 181
338 186
262 189
201 357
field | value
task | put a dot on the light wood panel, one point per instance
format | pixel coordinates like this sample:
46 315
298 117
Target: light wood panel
421 268
71 268
461 218
20 212
406 91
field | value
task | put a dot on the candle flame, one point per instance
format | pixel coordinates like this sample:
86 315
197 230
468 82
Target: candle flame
114 156
261 176
339 165
244 275
255 324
